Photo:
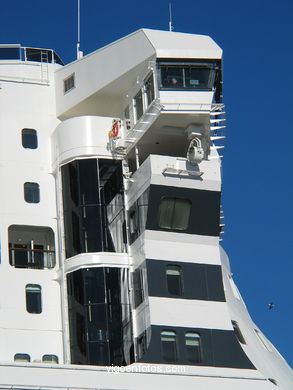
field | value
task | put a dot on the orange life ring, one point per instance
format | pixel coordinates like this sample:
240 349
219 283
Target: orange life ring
115 129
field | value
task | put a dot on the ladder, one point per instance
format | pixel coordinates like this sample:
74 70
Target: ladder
44 66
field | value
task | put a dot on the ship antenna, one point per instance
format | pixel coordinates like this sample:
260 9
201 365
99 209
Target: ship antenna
79 53
171 27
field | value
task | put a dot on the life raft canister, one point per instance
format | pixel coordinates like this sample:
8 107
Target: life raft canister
115 129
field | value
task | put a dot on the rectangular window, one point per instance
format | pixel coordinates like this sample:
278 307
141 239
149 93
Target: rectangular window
193 348
174 213
138 103
29 138
22 358
33 293
31 247
169 345
149 89
238 332
31 192
50 359
138 287
190 76
69 83
174 280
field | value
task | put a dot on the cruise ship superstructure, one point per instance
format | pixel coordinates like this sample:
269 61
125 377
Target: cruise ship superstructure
111 223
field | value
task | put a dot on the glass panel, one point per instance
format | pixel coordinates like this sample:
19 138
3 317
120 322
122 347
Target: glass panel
198 77
193 350
238 332
174 279
150 89
99 332
57 59
165 213
169 345
9 53
133 223
31 192
33 298
137 287
69 83
22 357
181 214
138 105
50 359
29 138
171 77
174 213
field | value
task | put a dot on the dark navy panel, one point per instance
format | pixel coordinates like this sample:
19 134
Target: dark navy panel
220 348
200 281
205 209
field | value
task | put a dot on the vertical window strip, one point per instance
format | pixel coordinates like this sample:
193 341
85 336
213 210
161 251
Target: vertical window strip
193 347
169 345
174 280
33 298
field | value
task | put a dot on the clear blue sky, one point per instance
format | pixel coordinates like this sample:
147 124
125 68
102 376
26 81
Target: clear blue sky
257 39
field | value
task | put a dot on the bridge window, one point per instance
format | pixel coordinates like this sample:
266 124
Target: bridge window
149 89
192 76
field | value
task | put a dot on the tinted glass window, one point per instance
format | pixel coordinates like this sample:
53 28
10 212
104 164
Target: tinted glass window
69 83
22 357
193 348
29 138
238 333
31 192
150 89
9 53
50 359
174 213
169 345
33 298
174 279
138 287
138 105
187 76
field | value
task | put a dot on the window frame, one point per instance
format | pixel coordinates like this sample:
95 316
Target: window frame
33 298
31 192
44 360
33 144
22 360
197 349
170 337
68 88
170 279
238 332
172 223
188 66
